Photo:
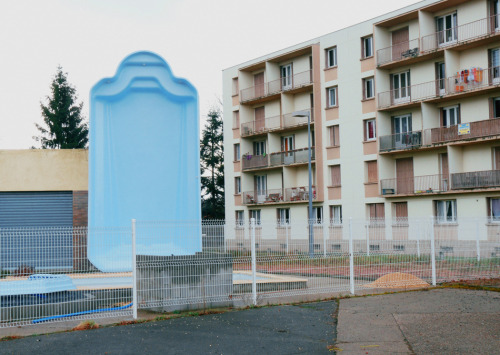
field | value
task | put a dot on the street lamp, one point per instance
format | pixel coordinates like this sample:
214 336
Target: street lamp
307 113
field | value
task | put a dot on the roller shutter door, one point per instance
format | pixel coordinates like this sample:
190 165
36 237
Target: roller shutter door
35 230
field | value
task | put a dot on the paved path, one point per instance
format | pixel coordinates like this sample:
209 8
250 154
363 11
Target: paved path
440 321
302 329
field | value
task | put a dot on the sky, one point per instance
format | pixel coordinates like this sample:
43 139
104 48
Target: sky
198 39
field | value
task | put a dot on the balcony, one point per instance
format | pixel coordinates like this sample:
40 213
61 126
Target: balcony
467 132
401 141
416 185
475 180
464 83
259 127
274 196
267 91
426 47
291 157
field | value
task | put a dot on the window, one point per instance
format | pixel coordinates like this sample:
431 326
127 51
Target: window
236 119
446 211
235 86
286 77
336 214
335 175
494 209
495 65
283 215
317 216
331 57
495 4
255 214
332 96
259 148
334 133
401 212
367 44
446 29
237 185
377 213
371 172
370 130
368 89
495 107
401 132
237 152
400 87
240 217
451 116
441 77
261 187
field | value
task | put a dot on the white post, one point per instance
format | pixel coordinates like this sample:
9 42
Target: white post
367 239
433 252
134 272
351 258
418 238
254 262
286 234
477 241
325 236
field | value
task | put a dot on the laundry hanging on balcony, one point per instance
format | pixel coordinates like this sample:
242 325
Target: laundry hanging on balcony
472 76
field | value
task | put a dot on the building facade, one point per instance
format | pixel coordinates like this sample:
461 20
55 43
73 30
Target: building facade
404 118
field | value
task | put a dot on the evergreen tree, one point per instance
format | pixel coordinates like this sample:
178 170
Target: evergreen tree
212 166
65 128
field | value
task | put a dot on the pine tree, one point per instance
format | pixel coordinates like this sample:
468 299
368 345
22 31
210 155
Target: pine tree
65 128
212 166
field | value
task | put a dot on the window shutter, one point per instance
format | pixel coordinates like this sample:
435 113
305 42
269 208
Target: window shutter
380 210
491 13
373 212
401 210
490 69
336 135
441 117
335 174
365 130
458 115
491 102
372 171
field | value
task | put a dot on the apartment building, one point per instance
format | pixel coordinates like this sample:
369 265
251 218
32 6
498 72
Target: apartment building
404 121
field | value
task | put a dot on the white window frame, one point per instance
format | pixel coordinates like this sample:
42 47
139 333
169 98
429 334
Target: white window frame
495 66
259 147
286 73
491 217
255 214
240 218
315 219
496 13
332 96
453 30
447 115
331 60
336 215
441 211
401 93
367 125
367 47
237 182
441 80
261 188
284 216
366 83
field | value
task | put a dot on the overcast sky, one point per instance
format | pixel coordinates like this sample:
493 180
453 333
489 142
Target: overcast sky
199 39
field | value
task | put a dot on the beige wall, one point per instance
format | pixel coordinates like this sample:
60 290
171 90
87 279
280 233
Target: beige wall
44 170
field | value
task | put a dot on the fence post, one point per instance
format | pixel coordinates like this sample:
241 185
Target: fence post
477 241
134 272
433 252
418 237
325 236
254 262
351 258
367 239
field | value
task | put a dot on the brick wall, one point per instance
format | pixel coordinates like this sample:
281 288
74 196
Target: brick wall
80 221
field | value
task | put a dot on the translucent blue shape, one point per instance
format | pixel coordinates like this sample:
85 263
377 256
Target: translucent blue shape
143 162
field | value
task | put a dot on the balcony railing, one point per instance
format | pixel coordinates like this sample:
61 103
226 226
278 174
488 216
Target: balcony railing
415 185
477 129
292 121
399 141
464 81
260 126
276 86
295 156
292 194
475 180
254 161
398 51
460 34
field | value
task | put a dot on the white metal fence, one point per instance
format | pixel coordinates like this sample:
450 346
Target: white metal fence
47 274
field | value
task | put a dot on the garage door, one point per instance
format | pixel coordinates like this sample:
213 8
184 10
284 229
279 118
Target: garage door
35 230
